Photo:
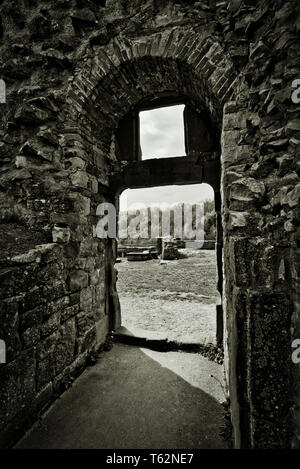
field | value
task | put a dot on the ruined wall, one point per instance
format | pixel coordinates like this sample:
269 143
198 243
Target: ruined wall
73 69
260 164
54 297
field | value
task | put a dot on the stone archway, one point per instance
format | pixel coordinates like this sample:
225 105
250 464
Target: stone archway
113 84
110 85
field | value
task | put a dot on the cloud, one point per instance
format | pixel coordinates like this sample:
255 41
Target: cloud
189 193
162 132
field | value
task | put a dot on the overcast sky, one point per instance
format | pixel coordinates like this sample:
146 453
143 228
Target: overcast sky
161 132
162 135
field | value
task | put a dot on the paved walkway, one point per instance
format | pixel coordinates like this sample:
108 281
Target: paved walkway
137 398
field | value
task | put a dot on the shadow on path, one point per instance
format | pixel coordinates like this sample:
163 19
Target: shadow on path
129 400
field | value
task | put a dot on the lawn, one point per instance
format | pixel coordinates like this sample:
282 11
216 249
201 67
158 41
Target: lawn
177 298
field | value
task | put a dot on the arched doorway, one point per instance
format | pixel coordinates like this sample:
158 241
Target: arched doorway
200 165
108 100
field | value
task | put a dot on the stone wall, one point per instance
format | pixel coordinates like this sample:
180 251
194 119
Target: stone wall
73 70
53 317
260 180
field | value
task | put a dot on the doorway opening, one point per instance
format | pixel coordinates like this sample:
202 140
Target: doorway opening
167 270
167 285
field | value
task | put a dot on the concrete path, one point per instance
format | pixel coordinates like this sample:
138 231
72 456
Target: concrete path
137 398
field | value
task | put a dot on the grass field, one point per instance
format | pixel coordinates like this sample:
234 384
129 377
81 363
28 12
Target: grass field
177 298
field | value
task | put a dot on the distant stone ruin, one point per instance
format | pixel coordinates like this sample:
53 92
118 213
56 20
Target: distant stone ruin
169 250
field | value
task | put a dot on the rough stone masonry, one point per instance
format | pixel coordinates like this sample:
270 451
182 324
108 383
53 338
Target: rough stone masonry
74 70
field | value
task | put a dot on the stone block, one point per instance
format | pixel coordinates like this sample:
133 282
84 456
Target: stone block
88 341
21 161
78 280
9 321
37 149
102 329
50 325
99 300
44 372
230 139
31 299
30 318
237 219
75 162
86 299
74 298
55 307
55 352
247 188
53 290
94 277
69 312
64 346
82 205
84 322
89 247
79 179
15 280
17 390
61 234
31 337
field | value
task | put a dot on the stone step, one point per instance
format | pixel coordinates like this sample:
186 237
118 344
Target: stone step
154 340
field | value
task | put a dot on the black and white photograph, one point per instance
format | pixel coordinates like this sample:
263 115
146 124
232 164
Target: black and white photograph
149 228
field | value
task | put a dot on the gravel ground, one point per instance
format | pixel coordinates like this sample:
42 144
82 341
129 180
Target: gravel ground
178 297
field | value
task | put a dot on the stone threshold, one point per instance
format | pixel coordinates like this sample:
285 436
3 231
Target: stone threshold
153 340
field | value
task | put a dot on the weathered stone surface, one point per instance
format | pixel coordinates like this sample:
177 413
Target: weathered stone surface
53 290
87 341
15 280
69 312
169 250
17 388
78 280
61 234
32 298
270 356
65 346
30 318
86 299
56 352
55 307
9 320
